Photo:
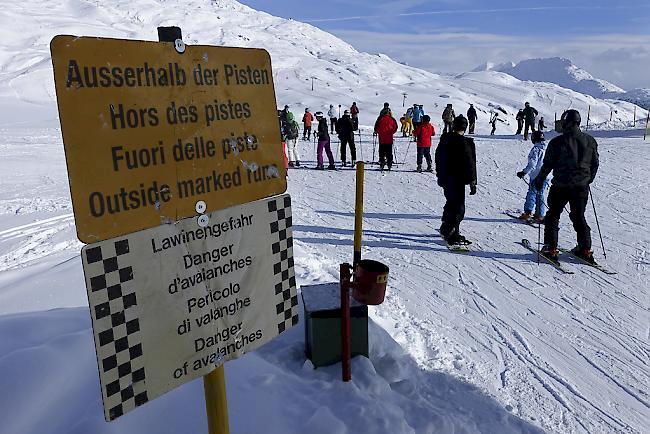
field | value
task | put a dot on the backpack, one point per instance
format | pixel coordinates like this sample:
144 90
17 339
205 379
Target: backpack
293 130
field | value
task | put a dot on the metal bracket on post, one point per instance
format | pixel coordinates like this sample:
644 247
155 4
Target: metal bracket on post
169 34
172 34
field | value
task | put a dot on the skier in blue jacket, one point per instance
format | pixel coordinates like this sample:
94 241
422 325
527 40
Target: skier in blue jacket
535 198
417 115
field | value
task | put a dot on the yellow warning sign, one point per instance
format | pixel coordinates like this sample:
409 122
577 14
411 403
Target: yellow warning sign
150 129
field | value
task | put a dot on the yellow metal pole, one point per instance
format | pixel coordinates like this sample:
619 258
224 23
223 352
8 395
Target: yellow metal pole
358 215
216 405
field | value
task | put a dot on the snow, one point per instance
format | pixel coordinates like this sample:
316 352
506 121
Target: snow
481 343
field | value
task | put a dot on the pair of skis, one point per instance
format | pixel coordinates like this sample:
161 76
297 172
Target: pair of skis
561 267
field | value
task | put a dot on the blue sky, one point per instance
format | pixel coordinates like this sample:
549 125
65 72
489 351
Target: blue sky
610 39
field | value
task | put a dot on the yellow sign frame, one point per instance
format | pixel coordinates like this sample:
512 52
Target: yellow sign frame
155 132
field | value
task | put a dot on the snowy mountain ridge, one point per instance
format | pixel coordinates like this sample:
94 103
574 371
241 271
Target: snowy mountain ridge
301 55
565 73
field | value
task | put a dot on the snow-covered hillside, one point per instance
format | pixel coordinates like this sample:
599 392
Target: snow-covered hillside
300 53
489 342
564 73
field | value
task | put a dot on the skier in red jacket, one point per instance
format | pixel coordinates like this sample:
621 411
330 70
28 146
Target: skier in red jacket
307 119
423 134
385 127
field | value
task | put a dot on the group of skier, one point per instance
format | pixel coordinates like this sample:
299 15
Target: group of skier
343 126
571 156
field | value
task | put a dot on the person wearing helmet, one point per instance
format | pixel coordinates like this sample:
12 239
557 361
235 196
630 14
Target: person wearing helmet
354 114
385 127
535 198
520 121
529 119
345 130
471 118
307 119
448 116
573 159
331 113
323 143
455 168
417 115
423 134
493 122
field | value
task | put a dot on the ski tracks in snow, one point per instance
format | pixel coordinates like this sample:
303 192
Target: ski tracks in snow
521 331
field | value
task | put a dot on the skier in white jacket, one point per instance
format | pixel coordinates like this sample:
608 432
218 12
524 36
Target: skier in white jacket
331 113
535 198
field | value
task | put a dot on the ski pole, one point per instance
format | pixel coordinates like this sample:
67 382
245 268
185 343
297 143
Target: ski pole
373 148
360 149
407 152
597 224
539 236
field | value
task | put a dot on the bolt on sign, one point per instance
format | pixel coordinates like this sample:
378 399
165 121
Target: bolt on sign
170 303
150 128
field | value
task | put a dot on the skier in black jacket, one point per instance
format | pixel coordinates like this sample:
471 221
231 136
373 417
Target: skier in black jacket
471 117
455 168
573 158
520 121
529 119
345 131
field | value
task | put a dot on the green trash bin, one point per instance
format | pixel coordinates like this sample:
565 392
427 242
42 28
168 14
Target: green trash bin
322 319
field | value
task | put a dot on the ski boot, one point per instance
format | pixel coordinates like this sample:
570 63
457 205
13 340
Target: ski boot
429 168
290 163
297 163
525 216
419 169
331 167
456 239
584 254
550 252
538 219
320 168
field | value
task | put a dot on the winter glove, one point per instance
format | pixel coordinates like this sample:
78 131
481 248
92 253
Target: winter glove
472 189
521 174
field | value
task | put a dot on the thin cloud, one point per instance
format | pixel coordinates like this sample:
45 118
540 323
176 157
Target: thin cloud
622 59
476 11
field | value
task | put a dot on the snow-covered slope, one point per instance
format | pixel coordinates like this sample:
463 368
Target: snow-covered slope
564 73
490 342
300 53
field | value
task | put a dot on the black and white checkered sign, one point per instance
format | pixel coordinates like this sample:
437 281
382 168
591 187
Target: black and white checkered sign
282 250
114 307
171 303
